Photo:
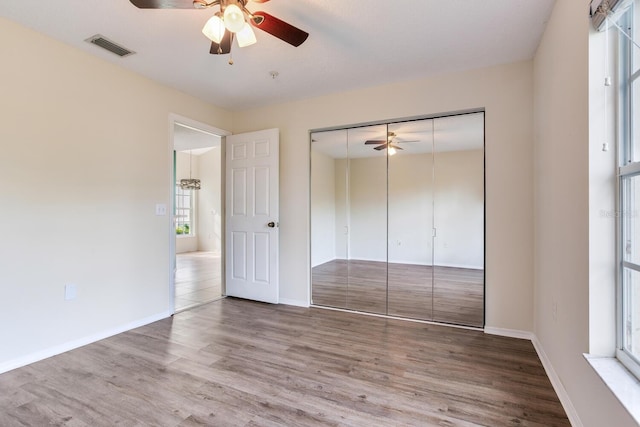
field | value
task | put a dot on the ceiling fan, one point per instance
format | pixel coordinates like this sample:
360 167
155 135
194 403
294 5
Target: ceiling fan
391 143
232 21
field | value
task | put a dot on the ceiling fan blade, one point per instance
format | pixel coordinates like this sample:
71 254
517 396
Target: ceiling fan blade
398 141
163 4
380 147
371 141
396 147
225 45
278 28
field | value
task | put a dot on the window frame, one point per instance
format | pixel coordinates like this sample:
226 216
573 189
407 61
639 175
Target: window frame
626 169
181 193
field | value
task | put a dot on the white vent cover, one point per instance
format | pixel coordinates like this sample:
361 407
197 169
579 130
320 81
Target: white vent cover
107 44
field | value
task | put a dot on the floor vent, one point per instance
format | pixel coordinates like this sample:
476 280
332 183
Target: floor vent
107 44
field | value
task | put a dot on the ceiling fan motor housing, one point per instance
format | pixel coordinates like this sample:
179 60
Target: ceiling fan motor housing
224 3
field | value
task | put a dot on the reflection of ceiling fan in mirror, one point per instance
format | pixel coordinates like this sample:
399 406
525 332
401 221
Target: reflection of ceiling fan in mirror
391 143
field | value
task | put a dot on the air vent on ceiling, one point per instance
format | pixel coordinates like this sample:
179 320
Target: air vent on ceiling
107 44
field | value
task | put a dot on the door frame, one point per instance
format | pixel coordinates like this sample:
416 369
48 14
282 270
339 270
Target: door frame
199 126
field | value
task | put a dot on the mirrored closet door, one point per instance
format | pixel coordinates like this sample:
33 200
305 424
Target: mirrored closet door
397 219
410 239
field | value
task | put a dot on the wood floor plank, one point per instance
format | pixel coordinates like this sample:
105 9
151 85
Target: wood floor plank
198 279
240 363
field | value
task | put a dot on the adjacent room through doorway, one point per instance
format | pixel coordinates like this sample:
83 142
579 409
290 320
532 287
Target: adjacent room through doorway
197 217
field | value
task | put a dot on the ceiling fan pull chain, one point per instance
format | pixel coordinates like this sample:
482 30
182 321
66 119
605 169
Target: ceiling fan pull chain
230 53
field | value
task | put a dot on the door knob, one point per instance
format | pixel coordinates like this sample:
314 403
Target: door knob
271 224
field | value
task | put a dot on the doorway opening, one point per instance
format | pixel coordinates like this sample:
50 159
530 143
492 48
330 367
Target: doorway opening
197 235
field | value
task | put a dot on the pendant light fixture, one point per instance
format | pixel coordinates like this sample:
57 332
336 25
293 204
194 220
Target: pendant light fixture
191 183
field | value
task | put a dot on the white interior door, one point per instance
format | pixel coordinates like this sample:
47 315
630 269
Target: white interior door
252 215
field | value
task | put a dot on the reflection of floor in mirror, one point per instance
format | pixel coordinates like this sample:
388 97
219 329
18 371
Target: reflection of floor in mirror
198 279
457 297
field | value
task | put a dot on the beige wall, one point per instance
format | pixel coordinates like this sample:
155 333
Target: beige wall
504 91
562 211
209 230
77 207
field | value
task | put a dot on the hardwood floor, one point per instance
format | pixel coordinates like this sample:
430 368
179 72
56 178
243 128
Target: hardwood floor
457 296
239 363
198 279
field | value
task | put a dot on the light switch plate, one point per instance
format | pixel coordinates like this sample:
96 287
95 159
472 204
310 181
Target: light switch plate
161 209
70 292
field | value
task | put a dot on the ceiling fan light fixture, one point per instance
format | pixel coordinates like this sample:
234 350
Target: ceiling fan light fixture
246 36
214 29
234 18
392 151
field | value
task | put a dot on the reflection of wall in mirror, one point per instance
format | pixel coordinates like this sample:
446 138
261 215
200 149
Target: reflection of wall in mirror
323 208
459 210
341 230
411 209
456 201
368 208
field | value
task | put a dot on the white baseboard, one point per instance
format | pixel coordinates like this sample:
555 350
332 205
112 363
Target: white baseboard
572 414
294 302
405 262
511 333
71 345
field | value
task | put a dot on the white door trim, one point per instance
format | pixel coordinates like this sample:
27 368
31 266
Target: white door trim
196 125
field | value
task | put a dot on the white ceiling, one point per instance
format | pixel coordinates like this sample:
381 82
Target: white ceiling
352 44
193 141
